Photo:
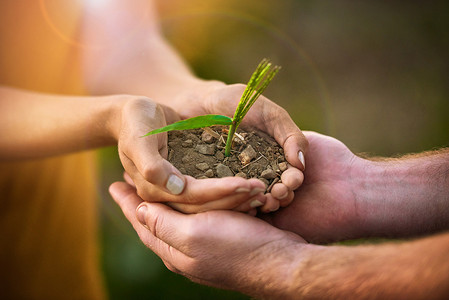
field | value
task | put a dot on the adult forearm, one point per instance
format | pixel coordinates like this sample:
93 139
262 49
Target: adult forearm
35 125
407 196
408 270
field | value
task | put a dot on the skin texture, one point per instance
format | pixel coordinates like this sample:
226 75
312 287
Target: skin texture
236 251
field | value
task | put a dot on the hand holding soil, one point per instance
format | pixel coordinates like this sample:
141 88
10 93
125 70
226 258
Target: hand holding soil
268 117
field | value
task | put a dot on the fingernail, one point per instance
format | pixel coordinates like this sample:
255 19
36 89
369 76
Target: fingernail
301 158
242 190
141 214
175 184
255 203
256 191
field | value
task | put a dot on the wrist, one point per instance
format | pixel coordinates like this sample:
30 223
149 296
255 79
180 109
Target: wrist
281 268
401 197
113 116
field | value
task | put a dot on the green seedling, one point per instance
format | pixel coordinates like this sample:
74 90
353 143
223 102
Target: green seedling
255 87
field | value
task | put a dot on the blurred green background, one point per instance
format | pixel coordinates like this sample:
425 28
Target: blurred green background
374 74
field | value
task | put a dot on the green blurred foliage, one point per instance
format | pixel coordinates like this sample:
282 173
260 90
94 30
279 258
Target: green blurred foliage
374 74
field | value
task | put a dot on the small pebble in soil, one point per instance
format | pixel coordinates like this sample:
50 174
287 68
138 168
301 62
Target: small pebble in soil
241 174
219 155
247 155
268 174
205 149
283 166
207 138
209 173
202 166
224 171
187 143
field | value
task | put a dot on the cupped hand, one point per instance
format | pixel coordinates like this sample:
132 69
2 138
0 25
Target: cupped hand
217 98
224 249
325 208
157 180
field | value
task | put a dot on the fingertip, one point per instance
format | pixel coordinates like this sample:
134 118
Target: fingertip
271 204
279 191
256 184
292 178
287 200
175 184
141 214
119 190
128 179
295 148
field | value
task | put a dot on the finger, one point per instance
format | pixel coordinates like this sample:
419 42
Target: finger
257 201
156 170
278 123
199 191
126 197
237 202
292 178
271 205
287 200
166 224
129 180
279 191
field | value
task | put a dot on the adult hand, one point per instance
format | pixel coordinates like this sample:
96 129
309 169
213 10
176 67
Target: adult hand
144 160
325 208
217 98
219 248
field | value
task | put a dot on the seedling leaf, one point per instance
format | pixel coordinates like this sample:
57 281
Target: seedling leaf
193 123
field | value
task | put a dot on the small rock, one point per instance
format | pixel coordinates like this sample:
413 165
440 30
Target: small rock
281 151
172 144
219 155
268 174
223 171
202 166
247 155
282 166
202 177
241 174
207 137
209 173
187 143
185 159
193 137
206 149
235 166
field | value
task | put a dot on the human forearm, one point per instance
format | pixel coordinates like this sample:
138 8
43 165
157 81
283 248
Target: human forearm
37 125
403 197
408 270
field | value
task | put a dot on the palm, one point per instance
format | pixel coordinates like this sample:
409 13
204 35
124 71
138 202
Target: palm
324 208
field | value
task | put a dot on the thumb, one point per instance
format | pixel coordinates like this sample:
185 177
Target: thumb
145 155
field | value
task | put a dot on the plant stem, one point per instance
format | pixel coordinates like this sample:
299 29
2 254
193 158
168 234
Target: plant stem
231 132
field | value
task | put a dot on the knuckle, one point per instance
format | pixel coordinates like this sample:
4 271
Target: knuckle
152 171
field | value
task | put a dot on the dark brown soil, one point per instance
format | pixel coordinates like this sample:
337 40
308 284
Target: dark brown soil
200 154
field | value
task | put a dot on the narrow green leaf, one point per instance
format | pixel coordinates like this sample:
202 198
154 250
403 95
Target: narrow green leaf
193 123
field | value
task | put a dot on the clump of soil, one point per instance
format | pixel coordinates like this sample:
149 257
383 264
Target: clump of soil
200 154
